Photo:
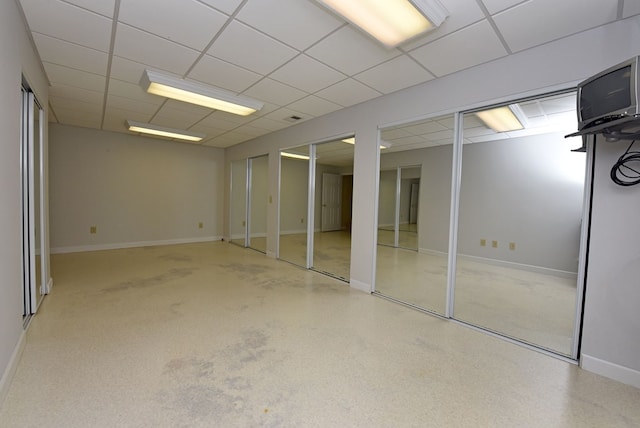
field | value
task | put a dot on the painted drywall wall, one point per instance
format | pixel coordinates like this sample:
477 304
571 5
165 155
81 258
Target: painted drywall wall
259 197
18 58
553 66
135 190
611 326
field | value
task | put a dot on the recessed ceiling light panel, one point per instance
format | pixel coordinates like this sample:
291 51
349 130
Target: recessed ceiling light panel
161 131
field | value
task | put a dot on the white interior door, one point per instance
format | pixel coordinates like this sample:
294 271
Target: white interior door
331 202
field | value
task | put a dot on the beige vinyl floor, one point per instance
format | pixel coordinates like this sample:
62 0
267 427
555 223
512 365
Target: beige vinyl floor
214 335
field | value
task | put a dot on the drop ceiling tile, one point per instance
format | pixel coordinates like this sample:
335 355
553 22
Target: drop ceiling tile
424 128
269 90
60 75
77 117
208 131
348 92
461 14
350 52
176 118
314 106
103 7
307 74
631 7
472 45
226 6
73 104
282 116
393 134
218 122
134 92
478 131
60 20
126 70
222 74
404 70
74 93
159 18
155 51
248 48
226 140
115 119
128 104
521 25
446 134
495 6
285 24
70 55
271 125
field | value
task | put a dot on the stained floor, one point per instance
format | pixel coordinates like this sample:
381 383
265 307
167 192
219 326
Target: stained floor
210 334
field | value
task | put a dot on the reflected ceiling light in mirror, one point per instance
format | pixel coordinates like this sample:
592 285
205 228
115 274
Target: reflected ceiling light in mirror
391 22
294 155
384 145
503 119
161 131
351 140
194 93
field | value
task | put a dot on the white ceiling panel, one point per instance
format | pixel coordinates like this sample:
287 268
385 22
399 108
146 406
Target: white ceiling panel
159 18
134 92
405 71
83 119
226 140
266 123
314 106
79 106
78 94
59 52
146 48
57 19
495 6
348 92
218 122
246 47
473 45
226 6
127 70
222 74
531 23
115 119
282 114
461 14
269 90
128 104
285 25
60 75
173 118
103 7
307 74
350 52
631 7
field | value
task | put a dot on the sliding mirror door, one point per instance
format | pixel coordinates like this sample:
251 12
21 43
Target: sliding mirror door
414 213
238 211
294 201
332 214
520 217
258 198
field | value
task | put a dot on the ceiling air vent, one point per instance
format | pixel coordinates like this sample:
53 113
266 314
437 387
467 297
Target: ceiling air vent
292 118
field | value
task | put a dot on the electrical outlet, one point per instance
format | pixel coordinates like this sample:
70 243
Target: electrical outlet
512 246
200 225
494 244
483 242
93 229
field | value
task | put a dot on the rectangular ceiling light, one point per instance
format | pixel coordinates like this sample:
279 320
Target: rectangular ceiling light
194 93
147 128
294 155
391 22
503 119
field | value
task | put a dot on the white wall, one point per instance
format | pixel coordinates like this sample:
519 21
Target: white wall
553 66
294 190
611 333
135 190
18 57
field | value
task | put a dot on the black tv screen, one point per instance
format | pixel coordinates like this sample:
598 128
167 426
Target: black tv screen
606 94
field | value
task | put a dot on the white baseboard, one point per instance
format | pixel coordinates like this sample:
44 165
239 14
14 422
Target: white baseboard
611 370
359 285
503 263
99 247
9 372
294 232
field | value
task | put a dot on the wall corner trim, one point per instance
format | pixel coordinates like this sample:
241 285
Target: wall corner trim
611 370
359 285
7 376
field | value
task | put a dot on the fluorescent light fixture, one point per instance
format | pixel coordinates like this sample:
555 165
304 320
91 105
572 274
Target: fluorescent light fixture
194 93
161 131
503 119
351 140
391 22
294 155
